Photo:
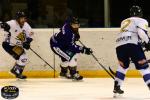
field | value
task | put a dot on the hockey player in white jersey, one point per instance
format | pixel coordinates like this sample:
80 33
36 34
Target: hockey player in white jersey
17 38
134 30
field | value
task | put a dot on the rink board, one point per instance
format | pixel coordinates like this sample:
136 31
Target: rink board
101 40
51 74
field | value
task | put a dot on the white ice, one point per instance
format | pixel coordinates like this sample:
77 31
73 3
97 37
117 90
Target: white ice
88 89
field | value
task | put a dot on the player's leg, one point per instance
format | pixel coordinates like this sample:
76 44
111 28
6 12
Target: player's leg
64 68
119 78
141 64
73 68
123 59
18 68
19 55
64 60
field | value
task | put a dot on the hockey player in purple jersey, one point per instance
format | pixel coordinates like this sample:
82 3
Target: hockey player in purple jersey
64 45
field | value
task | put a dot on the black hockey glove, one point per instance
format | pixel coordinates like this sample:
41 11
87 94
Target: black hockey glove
147 46
86 50
26 44
5 26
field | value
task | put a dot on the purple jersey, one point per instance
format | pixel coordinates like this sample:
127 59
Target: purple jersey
66 39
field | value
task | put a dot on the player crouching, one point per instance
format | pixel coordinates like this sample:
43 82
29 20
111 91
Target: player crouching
64 45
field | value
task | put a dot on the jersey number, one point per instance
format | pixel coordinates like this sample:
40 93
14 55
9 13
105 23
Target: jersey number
124 25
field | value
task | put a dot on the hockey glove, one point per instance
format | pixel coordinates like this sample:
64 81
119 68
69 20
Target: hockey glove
147 46
86 50
26 44
5 26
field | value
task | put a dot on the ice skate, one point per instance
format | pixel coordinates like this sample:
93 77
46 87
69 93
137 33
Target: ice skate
65 75
77 77
17 73
117 91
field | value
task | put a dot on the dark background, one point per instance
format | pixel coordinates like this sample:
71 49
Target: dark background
52 13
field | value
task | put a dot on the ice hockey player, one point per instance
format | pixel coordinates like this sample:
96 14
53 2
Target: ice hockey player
133 31
17 38
64 45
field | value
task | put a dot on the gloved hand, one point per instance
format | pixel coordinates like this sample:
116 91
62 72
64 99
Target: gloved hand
26 44
5 26
86 50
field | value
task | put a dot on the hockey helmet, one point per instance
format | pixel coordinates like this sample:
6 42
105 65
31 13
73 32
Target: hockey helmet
136 11
72 20
20 14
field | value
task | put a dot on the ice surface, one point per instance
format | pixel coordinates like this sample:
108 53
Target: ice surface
88 89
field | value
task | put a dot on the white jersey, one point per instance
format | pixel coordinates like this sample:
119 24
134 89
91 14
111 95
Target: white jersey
18 34
133 30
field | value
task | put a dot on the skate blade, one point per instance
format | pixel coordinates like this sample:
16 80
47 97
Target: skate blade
19 79
117 95
63 77
75 80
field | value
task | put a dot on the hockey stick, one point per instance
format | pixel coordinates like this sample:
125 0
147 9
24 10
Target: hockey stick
41 58
112 72
99 62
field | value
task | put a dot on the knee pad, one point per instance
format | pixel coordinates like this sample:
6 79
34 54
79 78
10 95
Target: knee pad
73 61
22 61
64 63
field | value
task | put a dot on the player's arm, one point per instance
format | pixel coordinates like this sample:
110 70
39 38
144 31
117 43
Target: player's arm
77 48
6 27
29 33
143 34
69 38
